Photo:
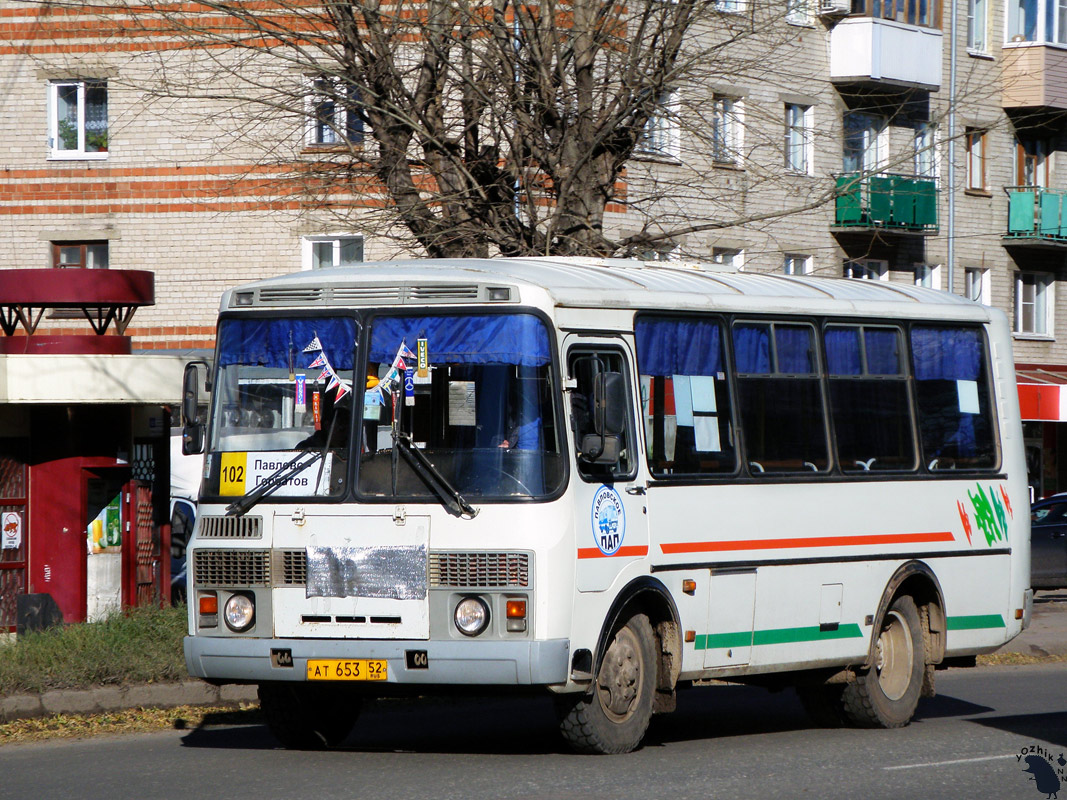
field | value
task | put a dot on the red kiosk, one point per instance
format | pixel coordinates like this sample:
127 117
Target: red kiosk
84 436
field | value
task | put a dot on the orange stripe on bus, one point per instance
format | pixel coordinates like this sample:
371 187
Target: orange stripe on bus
632 550
816 541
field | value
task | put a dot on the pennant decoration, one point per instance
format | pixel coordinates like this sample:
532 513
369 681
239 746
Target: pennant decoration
328 374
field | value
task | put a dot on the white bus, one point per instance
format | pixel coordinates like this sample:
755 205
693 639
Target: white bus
604 480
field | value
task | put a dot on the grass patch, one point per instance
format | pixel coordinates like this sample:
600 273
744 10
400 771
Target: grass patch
141 645
134 720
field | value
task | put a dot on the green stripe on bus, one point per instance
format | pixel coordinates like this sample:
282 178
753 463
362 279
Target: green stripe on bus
976 622
812 633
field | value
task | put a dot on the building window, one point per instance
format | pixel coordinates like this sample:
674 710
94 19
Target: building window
1037 21
729 257
926 14
976 284
332 112
925 150
799 12
660 134
323 252
77 119
928 276
798 138
976 143
976 25
1033 299
1031 162
797 264
867 269
79 255
726 129
864 142
730 6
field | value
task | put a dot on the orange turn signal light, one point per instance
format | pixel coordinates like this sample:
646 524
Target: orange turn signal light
516 609
209 604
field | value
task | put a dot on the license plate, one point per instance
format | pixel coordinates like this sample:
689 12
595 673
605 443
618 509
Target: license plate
334 669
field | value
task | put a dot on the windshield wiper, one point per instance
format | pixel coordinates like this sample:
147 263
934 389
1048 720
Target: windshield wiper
451 499
244 504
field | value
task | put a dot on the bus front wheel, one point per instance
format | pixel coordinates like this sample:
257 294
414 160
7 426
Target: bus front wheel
885 696
613 717
307 717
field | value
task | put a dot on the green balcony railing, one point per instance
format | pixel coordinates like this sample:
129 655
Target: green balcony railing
887 202
1036 213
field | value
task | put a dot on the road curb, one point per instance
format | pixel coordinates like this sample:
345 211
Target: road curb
113 698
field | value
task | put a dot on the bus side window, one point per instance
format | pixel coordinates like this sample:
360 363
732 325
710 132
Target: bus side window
584 367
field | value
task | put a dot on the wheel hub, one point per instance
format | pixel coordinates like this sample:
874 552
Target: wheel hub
620 676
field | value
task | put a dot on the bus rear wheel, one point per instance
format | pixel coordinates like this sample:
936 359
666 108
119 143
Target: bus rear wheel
613 717
306 717
885 696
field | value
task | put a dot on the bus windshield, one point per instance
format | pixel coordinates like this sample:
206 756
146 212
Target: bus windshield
482 410
284 386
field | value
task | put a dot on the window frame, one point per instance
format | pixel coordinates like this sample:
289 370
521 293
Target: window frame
660 137
337 240
727 126
596 473
790 260
59 245
79 153
928 275
1032 155
800 12
976 149
736 256
871 155
874 269
983 282
324 90
799 139
977 27
1043 303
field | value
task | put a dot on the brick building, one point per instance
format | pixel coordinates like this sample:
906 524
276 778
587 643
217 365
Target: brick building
936 145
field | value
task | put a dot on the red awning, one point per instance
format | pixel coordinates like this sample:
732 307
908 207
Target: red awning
1042 392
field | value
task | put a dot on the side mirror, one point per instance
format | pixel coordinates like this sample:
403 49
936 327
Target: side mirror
609 419
193 429
609 404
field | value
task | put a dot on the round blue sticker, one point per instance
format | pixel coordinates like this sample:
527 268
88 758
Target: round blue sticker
609 520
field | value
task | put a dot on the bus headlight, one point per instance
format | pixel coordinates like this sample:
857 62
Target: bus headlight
240 612
472 616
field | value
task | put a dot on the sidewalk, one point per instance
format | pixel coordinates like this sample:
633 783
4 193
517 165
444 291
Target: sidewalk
1047 635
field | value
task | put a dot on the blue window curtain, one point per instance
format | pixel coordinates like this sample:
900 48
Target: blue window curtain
281 342
796 355
668 347
752 349
474 339
843 351
883 351
953 354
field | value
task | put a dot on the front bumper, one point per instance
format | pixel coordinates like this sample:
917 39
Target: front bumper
246 660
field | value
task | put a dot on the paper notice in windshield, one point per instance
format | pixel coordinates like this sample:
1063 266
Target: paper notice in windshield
462 404
243 472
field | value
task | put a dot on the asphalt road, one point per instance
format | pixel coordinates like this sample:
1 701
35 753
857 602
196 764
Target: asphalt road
723 742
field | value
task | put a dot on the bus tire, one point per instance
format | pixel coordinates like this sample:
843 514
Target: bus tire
304 717
885 696
614 716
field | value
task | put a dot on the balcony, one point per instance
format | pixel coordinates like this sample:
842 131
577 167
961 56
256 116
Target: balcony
1036 216
891 203
1035 76
881 51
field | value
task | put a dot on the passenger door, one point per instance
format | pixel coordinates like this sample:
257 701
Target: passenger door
611 525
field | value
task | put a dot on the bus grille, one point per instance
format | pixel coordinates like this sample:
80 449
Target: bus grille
290 568
231 528
480 570
231 568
